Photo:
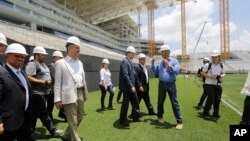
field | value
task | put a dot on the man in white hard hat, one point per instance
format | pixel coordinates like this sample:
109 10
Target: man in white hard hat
143 79
213 72
15 97
204 95
127 83
57 55
70 88
167 70
3 45
39 76
31 58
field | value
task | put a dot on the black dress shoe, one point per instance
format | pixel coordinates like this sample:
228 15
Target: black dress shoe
206 116
125 124
216 116
152 113
138 120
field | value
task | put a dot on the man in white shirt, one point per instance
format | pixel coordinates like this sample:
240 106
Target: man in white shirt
70 88
214 73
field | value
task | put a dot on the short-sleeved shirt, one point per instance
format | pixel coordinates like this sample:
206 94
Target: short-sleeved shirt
215 70
105 76
39 71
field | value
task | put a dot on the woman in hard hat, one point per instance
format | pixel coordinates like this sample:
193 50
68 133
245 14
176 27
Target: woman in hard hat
106 84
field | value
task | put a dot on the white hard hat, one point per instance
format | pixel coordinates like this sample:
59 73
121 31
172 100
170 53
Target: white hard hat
164 47
105 61
57 53
16 48
206 59
141 55
131 49
74 40
3 39
31 58
215 53
39 50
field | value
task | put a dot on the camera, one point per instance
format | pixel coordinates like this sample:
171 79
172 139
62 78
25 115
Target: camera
219 79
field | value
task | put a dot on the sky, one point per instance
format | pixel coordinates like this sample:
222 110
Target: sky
168 26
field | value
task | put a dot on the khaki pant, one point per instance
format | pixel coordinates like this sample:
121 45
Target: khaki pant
74 113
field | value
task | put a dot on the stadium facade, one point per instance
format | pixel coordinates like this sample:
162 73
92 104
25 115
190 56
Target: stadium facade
52 18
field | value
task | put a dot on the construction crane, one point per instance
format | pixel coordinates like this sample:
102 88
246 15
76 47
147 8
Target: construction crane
183 33
151 5
224 29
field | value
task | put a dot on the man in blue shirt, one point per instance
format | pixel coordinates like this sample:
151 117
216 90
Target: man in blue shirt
167 70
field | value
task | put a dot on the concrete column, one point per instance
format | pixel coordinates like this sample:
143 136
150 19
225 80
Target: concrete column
33 26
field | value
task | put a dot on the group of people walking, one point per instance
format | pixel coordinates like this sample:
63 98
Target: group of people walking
29 93
134 83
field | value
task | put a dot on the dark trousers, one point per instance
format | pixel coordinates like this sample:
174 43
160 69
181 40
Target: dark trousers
146 99
50 104
40 111
169 88
246 112
119 96
133 99
103 91
213 98
21 134
203 96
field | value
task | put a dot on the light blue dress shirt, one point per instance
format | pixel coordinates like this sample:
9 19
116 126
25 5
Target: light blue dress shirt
165 73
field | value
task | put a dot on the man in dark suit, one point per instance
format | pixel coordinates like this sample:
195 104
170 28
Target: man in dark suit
15 93
143 79
127 81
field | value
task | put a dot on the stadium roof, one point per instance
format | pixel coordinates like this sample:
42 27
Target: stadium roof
97 11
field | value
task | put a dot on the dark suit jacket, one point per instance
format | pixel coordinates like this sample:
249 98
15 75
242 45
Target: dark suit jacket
12 100
127 78
141 76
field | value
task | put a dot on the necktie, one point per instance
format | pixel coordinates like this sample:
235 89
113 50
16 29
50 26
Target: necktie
24 82
21 78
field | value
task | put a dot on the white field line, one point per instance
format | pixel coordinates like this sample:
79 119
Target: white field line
232 107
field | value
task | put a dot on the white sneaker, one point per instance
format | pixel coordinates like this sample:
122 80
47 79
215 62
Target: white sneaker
160 120
179 126
57 132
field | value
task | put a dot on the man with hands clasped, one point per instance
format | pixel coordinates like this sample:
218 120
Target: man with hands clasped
167 70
